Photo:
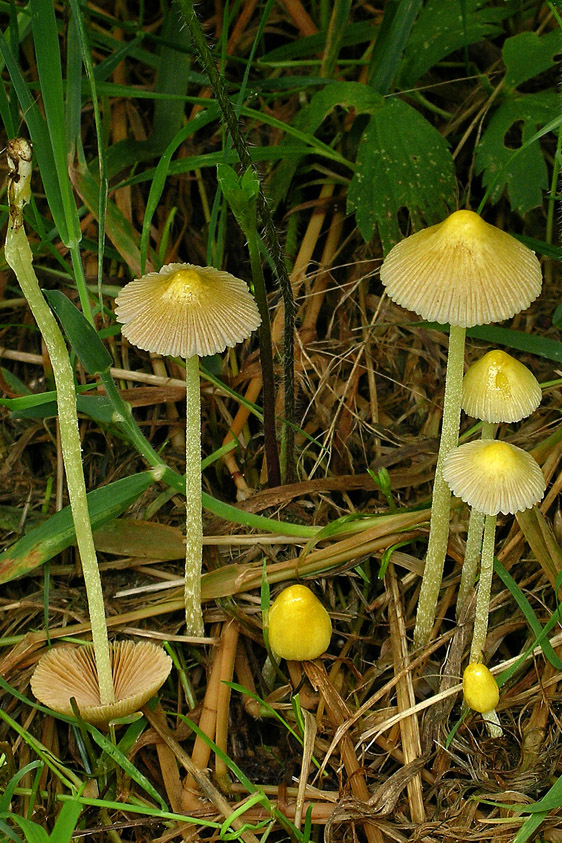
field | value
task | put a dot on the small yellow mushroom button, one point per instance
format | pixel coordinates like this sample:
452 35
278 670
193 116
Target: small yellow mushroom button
480 689
299 626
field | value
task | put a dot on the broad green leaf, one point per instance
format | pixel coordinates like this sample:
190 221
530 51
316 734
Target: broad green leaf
83 337
441 28
34 833
57 533
354 95
402 162
143 539
526 175
527 54
65 825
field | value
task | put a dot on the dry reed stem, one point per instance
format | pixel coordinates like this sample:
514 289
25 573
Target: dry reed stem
337 713
207 724
216 799
307 753
409 730
229 647
243 413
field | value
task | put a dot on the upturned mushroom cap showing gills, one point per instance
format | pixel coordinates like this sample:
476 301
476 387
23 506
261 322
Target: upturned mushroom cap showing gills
462 271
498 388
299 626
139 670
493 477
186 310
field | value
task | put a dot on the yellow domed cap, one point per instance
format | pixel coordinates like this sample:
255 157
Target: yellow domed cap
462 271
299 626
492 477
186 310
498 388
139 669
480 689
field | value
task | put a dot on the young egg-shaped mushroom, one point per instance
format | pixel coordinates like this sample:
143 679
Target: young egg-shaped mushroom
464 272
299 626
481 694
491 477
139 669
188 311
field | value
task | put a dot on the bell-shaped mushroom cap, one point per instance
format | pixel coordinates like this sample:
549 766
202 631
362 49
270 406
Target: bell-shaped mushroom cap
299 626
462 271
492 477
186 310
139 669
498 388
480 689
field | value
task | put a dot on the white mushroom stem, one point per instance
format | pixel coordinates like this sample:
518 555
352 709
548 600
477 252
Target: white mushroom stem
441 503
484 590
193 503
493 723
473 542
19 258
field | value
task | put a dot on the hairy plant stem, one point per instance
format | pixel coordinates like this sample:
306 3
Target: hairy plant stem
271 237
266 359
484 591
473 542
441 503
19 258
193 503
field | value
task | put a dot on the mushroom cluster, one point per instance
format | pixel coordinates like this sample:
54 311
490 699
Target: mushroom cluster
463 272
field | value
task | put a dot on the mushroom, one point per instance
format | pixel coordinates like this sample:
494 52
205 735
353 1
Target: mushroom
481 694
190 312
139 669
299 626
491 477
464 272
497 388
19 257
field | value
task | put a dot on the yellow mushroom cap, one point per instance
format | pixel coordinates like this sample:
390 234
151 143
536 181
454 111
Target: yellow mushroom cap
494 477
299 626
186 310
139 669
498 388
480 689
463 271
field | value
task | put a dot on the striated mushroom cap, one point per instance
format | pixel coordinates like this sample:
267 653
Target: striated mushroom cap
462 271
492 477
186 310
498 388
299 626
139 670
